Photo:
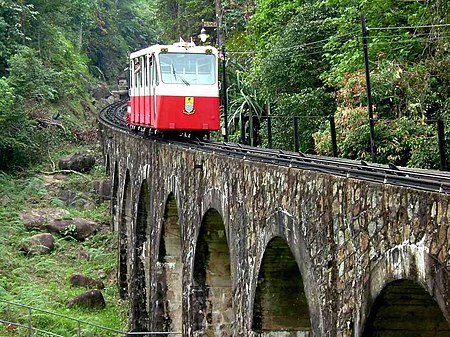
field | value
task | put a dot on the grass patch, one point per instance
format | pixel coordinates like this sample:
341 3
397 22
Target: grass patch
42 281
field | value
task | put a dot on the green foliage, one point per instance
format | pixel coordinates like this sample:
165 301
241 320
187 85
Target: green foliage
70 230
345 49
284 74
15 147
47 51
183 18
270 19
401 141
30 78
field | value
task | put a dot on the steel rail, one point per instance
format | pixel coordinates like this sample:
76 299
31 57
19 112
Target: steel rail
427 180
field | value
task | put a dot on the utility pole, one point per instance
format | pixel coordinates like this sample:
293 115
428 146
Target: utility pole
225 96
221 44
373 148
218 25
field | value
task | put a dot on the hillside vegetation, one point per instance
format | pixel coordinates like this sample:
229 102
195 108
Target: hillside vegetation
42 280
305 58
285 58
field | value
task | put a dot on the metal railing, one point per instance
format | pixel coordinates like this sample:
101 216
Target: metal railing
249 133
32 331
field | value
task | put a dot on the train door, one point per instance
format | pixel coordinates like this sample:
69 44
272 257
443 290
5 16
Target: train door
136 83
154 82
141 79
134 90
146 95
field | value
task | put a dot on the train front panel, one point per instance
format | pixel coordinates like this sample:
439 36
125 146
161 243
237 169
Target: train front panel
187 97
175 88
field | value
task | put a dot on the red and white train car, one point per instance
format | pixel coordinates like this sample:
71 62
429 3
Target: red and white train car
174 88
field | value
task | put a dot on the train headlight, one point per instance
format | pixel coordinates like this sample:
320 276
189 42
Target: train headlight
203 36
164 50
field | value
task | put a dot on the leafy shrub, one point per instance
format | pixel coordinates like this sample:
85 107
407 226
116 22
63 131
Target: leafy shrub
402 141
14 146
30 78
22 140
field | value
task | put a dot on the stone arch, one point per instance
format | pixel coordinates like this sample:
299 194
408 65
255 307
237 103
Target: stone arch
212 291
404 308
280 301
139 298
411 263
169 271
276 227
124 223
215 199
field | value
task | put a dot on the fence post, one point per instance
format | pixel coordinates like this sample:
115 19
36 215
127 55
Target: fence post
30 326
242 129
252 140
333 135
442 147
269 131
296 138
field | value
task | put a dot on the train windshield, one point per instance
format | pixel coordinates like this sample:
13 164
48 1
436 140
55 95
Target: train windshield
188 68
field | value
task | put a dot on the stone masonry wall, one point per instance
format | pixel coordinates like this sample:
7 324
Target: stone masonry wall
349 238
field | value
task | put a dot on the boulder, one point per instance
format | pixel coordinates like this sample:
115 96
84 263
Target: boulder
78 228
42 243
86 281
101 91
77 162
90 299
38 218
103 189
76 199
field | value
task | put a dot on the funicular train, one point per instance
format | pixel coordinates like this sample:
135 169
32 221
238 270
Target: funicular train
174 89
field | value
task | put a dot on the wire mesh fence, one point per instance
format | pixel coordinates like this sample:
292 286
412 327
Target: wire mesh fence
27 321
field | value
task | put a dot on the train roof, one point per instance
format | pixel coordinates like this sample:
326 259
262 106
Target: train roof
181 46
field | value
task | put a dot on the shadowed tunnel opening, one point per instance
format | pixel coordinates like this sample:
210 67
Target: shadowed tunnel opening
140 317
169 286
280 300
404 308
125 222
212 291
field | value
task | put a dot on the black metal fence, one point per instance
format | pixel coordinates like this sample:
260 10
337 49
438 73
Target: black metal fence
253 128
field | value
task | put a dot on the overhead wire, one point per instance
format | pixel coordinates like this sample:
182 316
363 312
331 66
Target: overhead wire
409 27
319 44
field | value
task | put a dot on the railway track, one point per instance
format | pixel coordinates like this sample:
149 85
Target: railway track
428 180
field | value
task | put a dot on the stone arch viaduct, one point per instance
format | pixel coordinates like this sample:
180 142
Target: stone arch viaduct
211 245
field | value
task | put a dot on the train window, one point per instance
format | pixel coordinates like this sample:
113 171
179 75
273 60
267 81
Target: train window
131 74
188 68
137 70
141 72
147 69
155 78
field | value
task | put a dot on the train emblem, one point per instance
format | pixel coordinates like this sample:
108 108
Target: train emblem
189 105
